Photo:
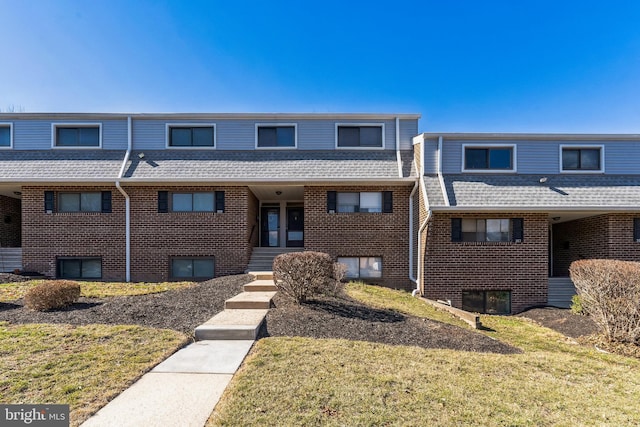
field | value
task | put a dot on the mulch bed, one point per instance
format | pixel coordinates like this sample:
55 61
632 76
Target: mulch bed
181 310
343 317
562 320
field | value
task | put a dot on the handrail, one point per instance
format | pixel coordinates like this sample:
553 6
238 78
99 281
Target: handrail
253 228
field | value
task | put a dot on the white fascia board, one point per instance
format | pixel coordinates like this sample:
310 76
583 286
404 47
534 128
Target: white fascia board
533 208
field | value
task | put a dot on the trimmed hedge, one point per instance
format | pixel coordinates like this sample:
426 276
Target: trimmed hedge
301 275
52 295
610 293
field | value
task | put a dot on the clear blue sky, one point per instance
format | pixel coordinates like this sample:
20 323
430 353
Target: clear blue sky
488 66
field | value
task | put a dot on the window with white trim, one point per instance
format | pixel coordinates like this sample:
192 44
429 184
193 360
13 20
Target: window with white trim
485 158
76 136
80 268
575 159
193 202
6 135
276 136
360 136
192 268
362 267
191 136
487 230
360 202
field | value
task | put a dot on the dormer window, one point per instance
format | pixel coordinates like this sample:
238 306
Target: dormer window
493 158
582 159
367 136
276 136
6 137
191 135
86 135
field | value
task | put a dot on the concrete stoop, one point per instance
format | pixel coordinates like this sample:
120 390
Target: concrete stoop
261 275
250 301
232 324
260 286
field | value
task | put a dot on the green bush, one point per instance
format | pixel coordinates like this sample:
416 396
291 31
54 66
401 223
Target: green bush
302 275
52 295
576 305
610 293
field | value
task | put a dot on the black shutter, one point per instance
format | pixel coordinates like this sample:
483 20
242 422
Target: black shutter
387 201
48 201
163 201
332 201
518 229
636 229
220 201
456 229
106 202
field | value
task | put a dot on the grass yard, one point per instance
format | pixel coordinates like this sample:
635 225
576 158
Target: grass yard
16 290
306 381
83 366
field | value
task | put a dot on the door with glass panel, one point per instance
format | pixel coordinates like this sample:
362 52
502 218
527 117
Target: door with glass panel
295 227
270 226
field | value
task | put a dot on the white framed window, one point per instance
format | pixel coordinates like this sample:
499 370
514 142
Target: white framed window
486 230
493 158
360 136
6 135
276 136
80 202
193 202
370 202
191 135
76 135
581 158
362 267
192 268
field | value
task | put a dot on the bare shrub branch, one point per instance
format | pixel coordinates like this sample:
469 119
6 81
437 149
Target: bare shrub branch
301 275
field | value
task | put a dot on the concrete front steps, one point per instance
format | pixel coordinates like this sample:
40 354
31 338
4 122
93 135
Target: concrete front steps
242 316
262 258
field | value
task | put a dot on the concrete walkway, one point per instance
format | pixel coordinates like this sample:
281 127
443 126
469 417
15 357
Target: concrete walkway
183 390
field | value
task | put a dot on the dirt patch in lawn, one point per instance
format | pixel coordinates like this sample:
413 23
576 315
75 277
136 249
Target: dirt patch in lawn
181 310
562 320
346 318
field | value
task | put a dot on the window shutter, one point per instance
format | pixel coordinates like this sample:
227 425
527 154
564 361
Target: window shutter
220 201
456 229
332 201
48 201
636 229
106 202
387 201
518 229
163 201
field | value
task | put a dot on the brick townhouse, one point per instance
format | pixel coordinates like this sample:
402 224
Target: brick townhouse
489 222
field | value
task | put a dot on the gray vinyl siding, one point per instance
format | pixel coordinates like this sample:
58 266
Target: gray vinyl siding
543 157
430 156
36 134
240 134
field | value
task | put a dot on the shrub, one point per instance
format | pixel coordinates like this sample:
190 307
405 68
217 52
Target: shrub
52 295
301 275
610 293
576 305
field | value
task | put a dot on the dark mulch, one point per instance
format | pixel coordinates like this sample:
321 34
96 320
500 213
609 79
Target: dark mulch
562 320
343 317
10 277
181 310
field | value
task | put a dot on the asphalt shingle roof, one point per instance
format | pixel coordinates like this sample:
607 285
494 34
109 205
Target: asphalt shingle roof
208 165
559 191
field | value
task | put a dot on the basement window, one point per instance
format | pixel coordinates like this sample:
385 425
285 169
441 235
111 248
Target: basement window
362 267
192 268
487 302
80 268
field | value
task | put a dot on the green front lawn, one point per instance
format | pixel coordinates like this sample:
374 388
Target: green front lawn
83 366
16 290
303 381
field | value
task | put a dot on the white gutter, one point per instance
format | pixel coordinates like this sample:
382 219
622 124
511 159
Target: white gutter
398 159
127 202
440 178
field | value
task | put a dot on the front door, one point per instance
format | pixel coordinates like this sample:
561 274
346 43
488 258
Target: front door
295 227
270 226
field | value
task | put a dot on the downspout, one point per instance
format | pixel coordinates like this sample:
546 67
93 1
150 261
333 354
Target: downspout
423 188
127 202
398 158
413 191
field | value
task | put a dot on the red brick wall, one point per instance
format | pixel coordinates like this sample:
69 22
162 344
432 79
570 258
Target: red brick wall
156 237
383 235
451 267
47 236
253 228
10 222
607 236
